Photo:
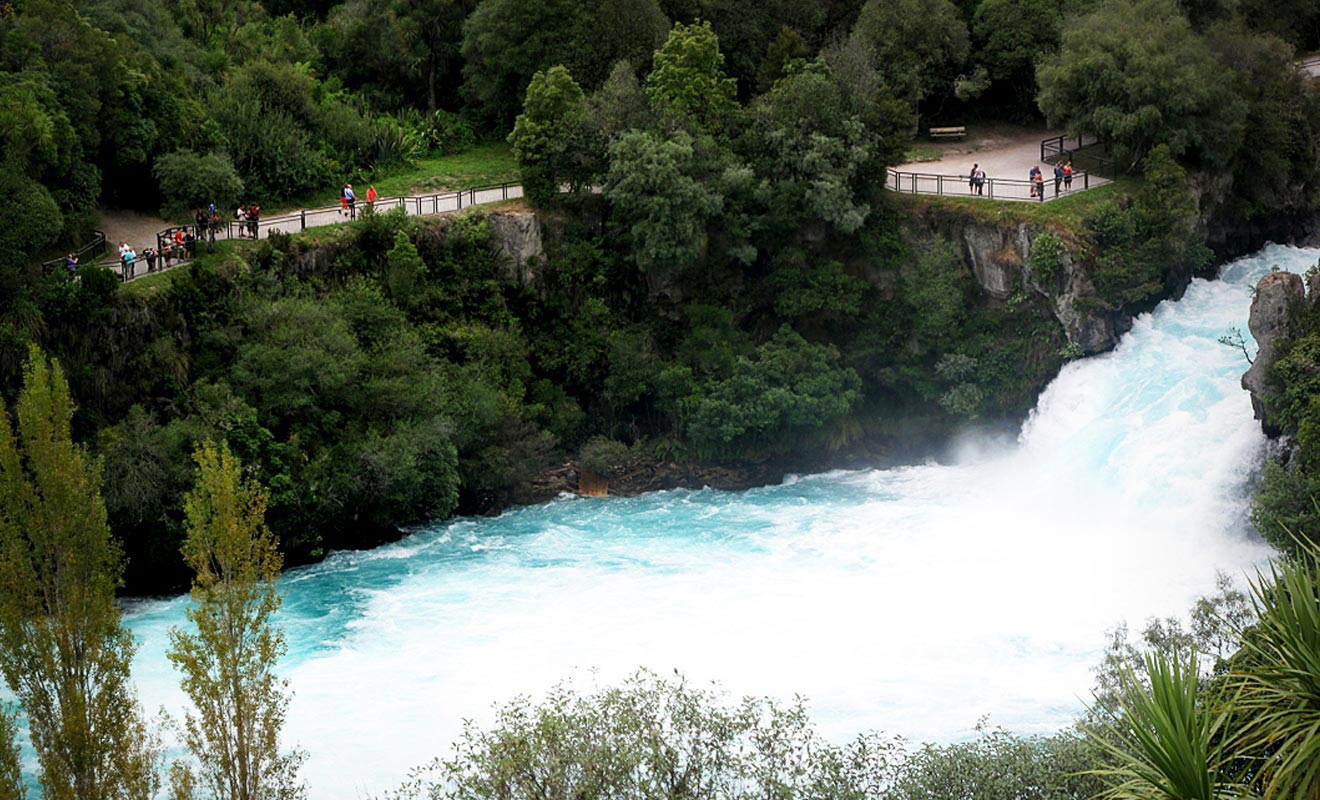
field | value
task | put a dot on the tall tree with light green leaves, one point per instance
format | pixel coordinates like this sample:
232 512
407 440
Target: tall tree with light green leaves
63 650
228 661
11 775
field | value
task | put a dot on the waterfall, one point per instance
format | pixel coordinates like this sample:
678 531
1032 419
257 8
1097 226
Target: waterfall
912 600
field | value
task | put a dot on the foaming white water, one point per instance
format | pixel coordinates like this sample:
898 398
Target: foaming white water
912 600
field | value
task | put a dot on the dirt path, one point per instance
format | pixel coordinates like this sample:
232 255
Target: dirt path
1002 153
138 229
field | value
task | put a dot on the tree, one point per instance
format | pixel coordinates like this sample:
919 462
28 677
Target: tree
687 78
789 387
917 45
400 50
539 137
63 651
1010 37
192 180
505 42
11 775
1134 73
816 155
228 665
788 46
613 31
658 198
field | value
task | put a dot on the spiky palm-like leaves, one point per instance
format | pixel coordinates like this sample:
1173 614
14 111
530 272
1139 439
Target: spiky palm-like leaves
1276 681
1162 743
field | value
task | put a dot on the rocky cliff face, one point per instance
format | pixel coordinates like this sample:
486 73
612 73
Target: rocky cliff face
1229 233
1000 257
998 254
518 244
1270 312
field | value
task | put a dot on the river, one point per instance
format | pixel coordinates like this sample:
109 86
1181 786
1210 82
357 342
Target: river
911 600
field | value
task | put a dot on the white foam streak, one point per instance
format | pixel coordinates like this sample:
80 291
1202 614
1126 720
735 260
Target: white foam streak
913 600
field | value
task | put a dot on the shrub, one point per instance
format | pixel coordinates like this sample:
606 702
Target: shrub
194 180
603 456
1046 258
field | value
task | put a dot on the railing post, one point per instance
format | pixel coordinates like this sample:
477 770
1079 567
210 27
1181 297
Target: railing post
939 185
991 181
303 220
1086 180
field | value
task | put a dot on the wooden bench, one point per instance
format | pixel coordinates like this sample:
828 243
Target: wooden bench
948 133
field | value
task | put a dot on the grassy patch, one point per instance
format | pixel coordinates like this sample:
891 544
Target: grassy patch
157 282
1068 211
481 166
154 283
919 153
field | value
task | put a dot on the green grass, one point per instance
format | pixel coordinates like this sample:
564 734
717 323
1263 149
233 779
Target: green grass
1068 211
483 165
152 284
157 282
922 152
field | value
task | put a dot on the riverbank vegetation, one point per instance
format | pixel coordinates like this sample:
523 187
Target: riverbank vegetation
1224 707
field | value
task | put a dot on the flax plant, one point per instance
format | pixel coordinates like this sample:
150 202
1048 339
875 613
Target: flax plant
1160 740
1276 681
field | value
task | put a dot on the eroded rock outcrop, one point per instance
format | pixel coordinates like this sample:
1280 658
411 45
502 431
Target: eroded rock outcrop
999 256
1270 312
519 246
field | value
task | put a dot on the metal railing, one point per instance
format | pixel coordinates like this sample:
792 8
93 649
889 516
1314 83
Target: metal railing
992 189
413 206
177 245
93 250
1084 150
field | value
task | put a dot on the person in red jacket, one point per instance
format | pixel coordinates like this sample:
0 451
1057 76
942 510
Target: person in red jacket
371 197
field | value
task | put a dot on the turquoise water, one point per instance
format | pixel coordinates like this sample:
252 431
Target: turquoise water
911 600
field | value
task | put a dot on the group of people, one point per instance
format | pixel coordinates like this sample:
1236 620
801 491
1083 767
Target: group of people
348 200
1063 178
178 247
248 219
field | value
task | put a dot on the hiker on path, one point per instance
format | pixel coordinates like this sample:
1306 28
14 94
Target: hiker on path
1058 178
1040 186
971 178
343 201
71 263
240 216
371 197
1031 178
150 255
254 217
979 180
351 200
1067 175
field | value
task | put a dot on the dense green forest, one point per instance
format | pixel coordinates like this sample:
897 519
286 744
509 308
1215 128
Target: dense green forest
724 281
